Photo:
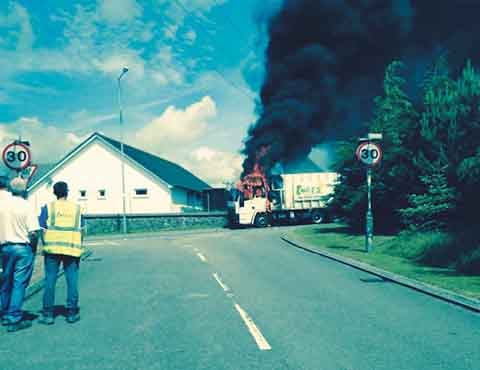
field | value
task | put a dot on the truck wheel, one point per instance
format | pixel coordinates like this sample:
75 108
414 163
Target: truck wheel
317 218
261 220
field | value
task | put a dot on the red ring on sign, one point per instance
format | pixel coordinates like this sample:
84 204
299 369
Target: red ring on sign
362 145
25 148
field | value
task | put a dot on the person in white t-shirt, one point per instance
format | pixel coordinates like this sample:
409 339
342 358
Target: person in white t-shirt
18 238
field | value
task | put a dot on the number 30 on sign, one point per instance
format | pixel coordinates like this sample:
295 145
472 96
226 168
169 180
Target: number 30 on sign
16 156
369 153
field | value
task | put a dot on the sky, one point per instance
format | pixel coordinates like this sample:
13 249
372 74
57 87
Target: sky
195 70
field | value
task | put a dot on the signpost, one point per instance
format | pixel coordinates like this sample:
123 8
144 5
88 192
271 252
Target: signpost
369 154
17 156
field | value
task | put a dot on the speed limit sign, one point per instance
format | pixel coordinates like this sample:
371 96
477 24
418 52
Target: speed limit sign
16 156
369 153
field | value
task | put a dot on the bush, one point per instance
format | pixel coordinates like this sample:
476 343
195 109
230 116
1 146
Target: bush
414 245
470 263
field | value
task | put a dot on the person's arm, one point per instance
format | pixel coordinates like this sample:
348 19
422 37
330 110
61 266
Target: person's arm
42 220
82 227
33 236
33 227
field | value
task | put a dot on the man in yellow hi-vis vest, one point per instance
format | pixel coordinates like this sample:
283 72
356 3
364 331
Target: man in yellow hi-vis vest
62 223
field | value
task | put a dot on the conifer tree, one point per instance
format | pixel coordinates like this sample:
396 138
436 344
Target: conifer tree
396 118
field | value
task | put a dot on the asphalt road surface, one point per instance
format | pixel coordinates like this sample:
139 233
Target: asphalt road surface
239 299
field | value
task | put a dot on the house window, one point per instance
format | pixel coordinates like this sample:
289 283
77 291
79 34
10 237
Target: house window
102 194
141 192
83 194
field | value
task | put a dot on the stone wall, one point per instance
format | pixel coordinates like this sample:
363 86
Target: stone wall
112 224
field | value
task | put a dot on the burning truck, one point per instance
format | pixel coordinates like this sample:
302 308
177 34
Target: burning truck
292 193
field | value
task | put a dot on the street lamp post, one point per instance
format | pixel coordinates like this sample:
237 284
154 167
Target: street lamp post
119 90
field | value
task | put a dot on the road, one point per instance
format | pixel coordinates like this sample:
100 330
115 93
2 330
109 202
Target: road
240 299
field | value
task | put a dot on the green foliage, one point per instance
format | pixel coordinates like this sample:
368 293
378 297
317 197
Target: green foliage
350 193
431 210
450 131
470 263
396 118
429 178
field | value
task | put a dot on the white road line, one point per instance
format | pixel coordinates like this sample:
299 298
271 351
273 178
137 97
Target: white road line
202 257
224 287
256 333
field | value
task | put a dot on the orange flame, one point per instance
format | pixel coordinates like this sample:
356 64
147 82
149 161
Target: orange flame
255 183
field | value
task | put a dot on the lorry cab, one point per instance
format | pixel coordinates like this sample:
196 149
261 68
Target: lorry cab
250 211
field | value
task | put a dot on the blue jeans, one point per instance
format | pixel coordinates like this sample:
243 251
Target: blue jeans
17 263
70 267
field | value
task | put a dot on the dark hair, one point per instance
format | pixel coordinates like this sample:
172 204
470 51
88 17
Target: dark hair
3 182
60 189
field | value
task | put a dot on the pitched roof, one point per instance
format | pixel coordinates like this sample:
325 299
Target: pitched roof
167 171
42 170
171 173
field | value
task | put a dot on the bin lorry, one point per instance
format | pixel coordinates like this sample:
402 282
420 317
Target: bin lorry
299 197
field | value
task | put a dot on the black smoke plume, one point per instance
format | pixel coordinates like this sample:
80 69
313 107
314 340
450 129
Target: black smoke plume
326 60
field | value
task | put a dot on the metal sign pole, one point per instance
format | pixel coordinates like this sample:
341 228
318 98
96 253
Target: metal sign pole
369 216
370 154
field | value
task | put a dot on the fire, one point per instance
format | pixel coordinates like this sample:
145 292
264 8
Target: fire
255 183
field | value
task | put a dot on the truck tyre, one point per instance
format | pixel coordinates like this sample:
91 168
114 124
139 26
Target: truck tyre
261 220
317 218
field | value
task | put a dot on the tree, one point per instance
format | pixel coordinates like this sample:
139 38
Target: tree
394 180
433 209
450 130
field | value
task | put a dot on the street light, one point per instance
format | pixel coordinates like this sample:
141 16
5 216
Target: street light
124 218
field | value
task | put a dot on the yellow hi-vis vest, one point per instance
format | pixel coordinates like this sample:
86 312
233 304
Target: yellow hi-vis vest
63 234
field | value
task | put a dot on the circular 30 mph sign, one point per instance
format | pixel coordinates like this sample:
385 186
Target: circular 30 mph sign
369 153
16 156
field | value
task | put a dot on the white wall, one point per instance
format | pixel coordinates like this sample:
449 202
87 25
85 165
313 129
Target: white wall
97 167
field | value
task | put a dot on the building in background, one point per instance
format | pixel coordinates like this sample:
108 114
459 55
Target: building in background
93 172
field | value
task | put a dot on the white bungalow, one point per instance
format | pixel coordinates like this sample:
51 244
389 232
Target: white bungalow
93 172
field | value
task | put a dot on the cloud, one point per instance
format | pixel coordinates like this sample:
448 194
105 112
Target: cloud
17 20
94 39
177 12
119 11
112 64
177 126
190 36
48 143
214 166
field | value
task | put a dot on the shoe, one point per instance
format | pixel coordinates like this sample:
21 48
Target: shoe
24 324
73 318
46 320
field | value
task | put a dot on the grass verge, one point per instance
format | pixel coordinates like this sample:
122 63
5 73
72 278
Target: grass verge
401 254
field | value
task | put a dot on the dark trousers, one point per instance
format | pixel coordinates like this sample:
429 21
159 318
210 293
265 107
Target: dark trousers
70 267
17 264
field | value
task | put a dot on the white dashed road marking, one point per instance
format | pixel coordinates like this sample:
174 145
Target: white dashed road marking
253 329
224 287
202 257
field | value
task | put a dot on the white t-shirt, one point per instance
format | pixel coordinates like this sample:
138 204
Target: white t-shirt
17 219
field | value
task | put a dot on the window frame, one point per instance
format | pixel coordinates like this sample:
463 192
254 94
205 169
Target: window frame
136 195
82 197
